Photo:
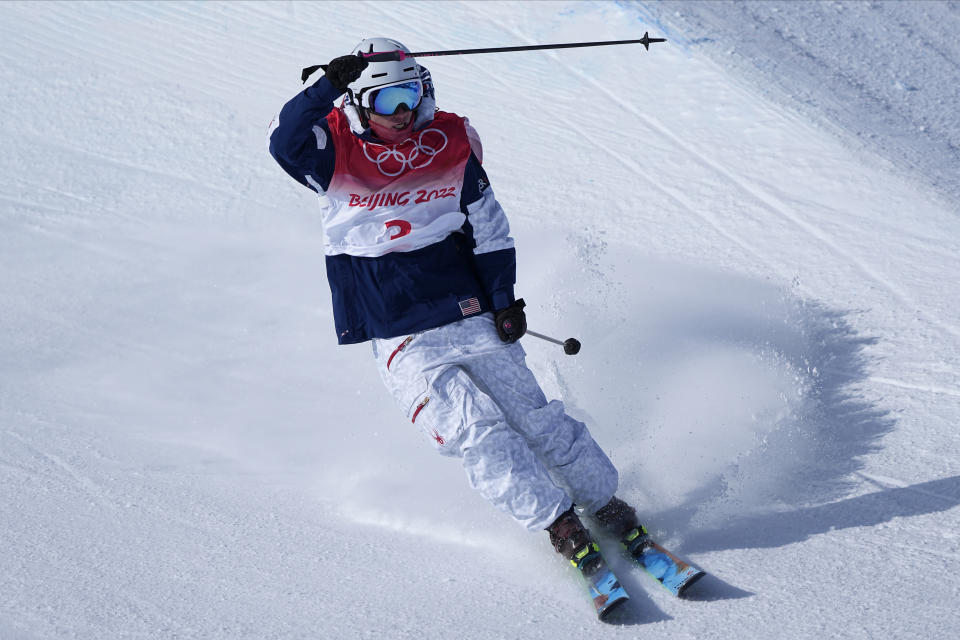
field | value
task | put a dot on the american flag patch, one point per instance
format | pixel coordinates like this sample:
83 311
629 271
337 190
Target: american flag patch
469 307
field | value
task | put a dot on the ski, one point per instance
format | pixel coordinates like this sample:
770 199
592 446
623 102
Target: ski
604 587
674 574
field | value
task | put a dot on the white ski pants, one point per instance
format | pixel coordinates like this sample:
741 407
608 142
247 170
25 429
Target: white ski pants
477 400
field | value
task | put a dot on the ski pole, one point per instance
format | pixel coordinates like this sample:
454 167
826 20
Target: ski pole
571 346
387 56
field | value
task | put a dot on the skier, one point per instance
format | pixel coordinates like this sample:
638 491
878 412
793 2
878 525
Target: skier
420 262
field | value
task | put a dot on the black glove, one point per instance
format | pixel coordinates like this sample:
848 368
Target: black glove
511 322
344 70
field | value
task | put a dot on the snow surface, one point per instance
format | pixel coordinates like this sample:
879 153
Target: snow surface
763 275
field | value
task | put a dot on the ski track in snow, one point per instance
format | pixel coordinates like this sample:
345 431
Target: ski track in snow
673 195
916 387
753 193
758 195
182 450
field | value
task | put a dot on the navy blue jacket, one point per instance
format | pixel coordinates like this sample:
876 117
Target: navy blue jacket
470 270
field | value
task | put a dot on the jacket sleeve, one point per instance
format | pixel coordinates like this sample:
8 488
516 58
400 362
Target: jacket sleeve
300 139
494 255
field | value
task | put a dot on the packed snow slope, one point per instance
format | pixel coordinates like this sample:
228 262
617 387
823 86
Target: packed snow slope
767 308
884 73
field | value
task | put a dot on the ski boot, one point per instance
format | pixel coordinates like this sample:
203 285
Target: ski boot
571 540
672 572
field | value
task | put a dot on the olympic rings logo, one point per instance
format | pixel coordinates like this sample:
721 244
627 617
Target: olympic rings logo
392 161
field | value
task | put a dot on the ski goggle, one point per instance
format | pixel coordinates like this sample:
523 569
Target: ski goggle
387 100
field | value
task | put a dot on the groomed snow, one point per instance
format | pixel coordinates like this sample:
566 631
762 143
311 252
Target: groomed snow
763 275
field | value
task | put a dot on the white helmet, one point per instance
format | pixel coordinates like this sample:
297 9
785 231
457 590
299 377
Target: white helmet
381 74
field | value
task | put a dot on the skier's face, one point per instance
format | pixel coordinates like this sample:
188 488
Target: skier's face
398 121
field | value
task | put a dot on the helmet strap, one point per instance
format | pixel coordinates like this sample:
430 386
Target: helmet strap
364 121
